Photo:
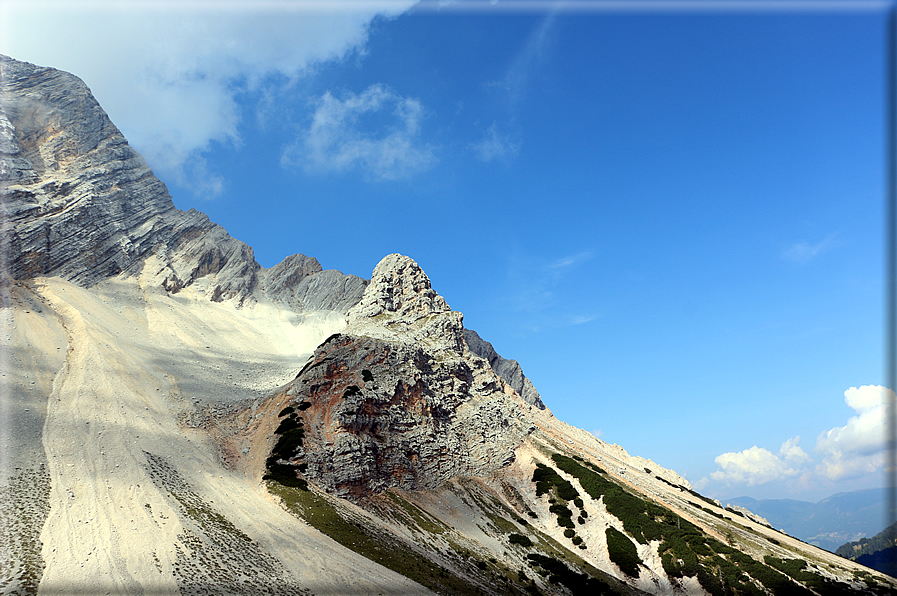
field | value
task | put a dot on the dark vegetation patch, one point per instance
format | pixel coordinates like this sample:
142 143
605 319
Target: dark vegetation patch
559 573
622 551
290 433
367 376
548 481
331 338
547 478
797 569
285 411
520 539
638 516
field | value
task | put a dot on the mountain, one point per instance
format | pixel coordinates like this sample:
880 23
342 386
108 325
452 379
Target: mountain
829 523
878 552
180 420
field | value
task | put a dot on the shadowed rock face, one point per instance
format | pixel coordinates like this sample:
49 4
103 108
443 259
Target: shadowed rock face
299 282
509 370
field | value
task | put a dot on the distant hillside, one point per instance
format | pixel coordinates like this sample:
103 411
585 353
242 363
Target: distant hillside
829 523
878 552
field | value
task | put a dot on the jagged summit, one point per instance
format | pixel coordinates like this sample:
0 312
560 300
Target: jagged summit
399 288
400 305
81 204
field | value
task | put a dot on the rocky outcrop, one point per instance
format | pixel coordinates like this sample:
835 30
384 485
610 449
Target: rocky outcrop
400 305
749 514
509 370
399 401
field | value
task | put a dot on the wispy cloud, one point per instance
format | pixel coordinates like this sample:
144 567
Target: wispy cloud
337 140
495 145
516 79
538 289
804 252
569 262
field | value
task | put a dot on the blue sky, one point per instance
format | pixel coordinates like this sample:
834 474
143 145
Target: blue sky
671 215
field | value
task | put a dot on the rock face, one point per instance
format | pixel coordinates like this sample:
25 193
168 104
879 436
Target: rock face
299 282
398 401
509 370
81 204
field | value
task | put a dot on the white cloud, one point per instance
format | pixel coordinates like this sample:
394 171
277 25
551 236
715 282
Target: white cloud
803 252
337 139
757 465
852 453
791 452
170 74
495 145
857 448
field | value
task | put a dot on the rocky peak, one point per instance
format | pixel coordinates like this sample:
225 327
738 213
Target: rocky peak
400 288
300 283
400 305
81 204
509 370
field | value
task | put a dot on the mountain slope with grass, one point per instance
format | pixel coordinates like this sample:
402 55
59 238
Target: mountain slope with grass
179 420
878 552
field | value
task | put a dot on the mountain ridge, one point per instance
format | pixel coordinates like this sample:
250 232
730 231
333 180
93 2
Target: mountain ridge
164 443
828 523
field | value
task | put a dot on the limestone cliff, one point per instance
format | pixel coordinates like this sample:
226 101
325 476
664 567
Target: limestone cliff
80 203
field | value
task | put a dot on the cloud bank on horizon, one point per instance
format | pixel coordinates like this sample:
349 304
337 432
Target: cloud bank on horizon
852 451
